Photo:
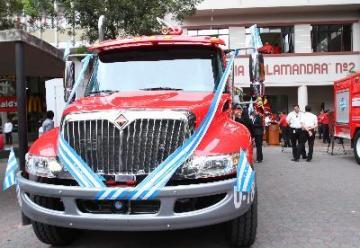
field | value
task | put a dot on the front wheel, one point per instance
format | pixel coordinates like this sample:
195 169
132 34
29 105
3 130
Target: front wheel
53 235
357 147
49 234
243 229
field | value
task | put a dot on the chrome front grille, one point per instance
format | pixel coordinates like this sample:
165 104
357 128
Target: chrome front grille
137 147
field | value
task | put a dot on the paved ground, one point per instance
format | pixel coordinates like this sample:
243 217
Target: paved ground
300 205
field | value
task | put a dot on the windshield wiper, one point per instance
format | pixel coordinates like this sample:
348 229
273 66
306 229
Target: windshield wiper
160 88
100 92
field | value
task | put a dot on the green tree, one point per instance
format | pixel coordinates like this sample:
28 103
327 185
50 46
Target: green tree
36 10
124 17
9 10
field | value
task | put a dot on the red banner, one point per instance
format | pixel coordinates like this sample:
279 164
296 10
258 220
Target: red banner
8 104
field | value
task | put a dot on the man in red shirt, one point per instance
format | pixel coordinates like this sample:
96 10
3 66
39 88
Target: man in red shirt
320 123
284 126
266 49
325 125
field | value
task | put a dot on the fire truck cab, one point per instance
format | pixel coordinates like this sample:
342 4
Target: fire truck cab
143 98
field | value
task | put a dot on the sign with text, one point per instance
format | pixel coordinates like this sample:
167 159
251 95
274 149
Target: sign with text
309 69
8 104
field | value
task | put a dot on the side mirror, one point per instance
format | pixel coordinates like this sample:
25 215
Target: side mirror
256 68
69 79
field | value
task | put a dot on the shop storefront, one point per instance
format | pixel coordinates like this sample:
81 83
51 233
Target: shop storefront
35 98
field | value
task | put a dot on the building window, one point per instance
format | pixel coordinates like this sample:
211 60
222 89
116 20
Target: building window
219 33
282 38
331 38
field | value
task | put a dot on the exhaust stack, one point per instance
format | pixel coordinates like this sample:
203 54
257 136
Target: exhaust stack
101 28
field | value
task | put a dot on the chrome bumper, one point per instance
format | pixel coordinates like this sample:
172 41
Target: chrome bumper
165 219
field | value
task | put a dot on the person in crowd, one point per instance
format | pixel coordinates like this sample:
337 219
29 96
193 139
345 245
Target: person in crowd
258 130
284 127
48 123
276 49
320 123
267 125
267 48
325 127
293 119
8 129
309 123
246 121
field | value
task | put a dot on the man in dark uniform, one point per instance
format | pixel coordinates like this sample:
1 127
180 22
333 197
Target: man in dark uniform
258 130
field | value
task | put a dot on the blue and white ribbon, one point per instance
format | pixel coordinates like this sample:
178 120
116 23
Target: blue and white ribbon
10 173
77 166
85 61
245 174
158 178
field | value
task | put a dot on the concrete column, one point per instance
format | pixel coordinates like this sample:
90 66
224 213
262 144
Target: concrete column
356 36
237 37
302 34
302 97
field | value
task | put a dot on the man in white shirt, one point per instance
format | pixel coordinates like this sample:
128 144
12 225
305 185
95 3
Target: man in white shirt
309 123
8 128
293 119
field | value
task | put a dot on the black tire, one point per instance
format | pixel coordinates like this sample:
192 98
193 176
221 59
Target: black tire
357 146
49 234
243 229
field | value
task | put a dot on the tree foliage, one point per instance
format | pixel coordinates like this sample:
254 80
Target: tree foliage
9 9
124 17
36 10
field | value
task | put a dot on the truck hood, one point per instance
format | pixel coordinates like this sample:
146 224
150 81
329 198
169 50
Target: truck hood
196 102
224 135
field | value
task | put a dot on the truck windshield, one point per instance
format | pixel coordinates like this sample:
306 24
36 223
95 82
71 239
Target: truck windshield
163 68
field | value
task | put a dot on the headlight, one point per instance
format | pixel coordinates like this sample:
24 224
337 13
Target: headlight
45 167
209 166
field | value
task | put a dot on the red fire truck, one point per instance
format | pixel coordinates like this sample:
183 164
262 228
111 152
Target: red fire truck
143 98
347 111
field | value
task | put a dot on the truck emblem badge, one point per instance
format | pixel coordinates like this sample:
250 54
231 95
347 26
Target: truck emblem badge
121 120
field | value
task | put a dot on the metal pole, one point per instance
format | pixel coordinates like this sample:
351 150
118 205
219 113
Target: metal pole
21 102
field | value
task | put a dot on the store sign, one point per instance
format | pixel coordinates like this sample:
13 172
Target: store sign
309 69
8 104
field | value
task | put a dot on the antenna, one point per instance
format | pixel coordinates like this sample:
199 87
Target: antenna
101 27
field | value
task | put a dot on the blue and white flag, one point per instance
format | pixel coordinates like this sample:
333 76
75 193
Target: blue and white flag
10 173
245 174
255 39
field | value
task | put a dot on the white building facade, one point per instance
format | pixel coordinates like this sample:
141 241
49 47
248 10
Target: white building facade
319 42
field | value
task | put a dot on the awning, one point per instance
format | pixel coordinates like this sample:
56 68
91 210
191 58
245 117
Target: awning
41 59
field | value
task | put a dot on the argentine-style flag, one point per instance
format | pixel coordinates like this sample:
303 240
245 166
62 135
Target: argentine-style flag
10 173
245 174
255 39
